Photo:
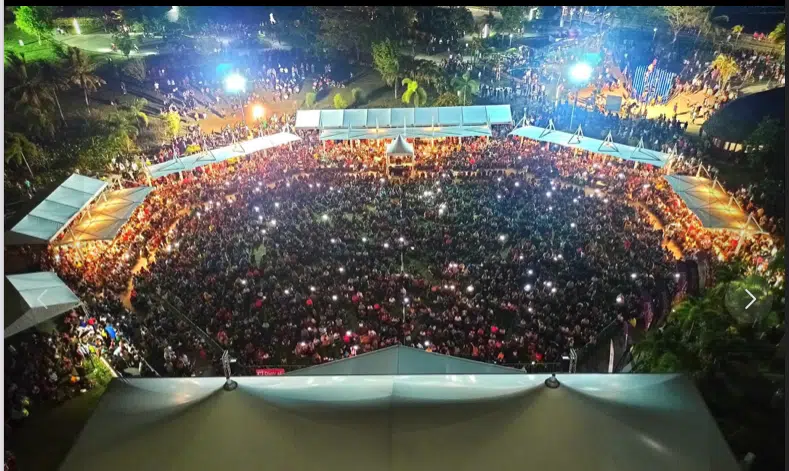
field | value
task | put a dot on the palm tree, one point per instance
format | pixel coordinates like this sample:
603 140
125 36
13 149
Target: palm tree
737 29
18 148
465 86
726 67
778 35
79 69
55 80
413 90
28 88
427 72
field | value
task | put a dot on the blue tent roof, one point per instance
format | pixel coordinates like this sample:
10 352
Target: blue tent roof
401 360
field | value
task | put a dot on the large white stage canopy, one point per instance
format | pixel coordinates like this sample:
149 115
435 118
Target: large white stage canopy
376 118
607 147
55 212
33 298
712 204
438 421
105 219
435 132
239 149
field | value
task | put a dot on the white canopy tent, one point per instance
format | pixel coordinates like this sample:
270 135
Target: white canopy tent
239 149
404 117
33 298
607 146
436 132
712 204
52 214
484 421
399 147
105 219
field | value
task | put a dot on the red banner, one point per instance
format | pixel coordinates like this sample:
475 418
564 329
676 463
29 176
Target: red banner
270 372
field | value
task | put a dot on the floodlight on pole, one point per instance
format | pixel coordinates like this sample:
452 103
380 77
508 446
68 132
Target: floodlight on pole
580 73
236 83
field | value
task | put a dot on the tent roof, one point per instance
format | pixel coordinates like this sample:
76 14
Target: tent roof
607 147
400 117
239 149
32 298
709 202
55 211
108 216
342 134
443 422
400 147
739 118
402 360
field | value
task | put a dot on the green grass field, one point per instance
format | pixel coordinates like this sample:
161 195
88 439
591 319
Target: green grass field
32 50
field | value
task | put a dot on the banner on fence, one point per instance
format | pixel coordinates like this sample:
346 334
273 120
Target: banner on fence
270 371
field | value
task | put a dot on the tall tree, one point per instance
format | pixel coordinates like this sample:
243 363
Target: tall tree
414 92
19 150
681 17
778 35
79 69
386 61
466 87
55 81
29 92
347 29
512 17
36 21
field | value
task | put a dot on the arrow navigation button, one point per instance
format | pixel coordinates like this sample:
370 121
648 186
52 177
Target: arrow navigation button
753 299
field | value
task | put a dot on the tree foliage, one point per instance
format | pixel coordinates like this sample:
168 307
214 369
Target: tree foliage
36 21
447 99
733 363
512 17
340 103
19 151
444 23
124 42
414 93
309 99
172 122
682 17
726 66
386 60
79 70
466 87
357 96
766 145
30 94
135 70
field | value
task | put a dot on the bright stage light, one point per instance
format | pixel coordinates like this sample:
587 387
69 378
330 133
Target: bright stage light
235 83
258 112
581 72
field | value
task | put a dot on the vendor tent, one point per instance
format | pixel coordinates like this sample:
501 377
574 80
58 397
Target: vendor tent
607 146
33 298
712 204
448 116
451 422
53 210
105 219
399 147
239 149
